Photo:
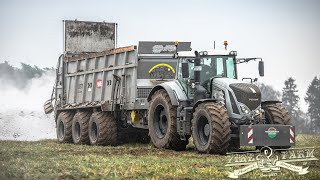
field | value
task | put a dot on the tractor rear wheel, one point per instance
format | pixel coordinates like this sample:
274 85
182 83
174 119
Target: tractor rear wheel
102 129
277 114
162 122
211 128
80 125
64 127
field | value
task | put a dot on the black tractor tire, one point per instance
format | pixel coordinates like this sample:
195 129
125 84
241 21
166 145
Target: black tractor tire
80 127
103 129
211 130
276 114
162 122
64 127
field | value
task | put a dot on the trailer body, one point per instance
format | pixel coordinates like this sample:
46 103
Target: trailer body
115 80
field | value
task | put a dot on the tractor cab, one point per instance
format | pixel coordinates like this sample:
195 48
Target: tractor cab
213 64
208 102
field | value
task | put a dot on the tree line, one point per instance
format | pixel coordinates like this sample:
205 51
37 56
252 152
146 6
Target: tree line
20 77
308 122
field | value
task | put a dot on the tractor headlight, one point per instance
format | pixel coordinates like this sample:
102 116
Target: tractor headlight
203 53
233 53
244 109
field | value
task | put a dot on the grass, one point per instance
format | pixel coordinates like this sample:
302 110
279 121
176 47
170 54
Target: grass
49 160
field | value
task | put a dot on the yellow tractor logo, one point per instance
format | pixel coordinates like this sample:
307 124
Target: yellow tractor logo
162 71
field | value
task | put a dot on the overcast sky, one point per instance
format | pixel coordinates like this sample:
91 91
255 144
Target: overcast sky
284 33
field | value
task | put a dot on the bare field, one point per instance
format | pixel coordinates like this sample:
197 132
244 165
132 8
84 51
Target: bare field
49 160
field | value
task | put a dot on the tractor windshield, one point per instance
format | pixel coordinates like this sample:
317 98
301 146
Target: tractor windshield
212 66
217 66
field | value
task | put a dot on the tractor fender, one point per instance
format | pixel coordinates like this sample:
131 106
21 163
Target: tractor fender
202 101
174 91
263 103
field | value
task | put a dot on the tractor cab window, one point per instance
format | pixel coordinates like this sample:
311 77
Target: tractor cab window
217 66
208 69
191 67
212 66
220 67
185 81
231 71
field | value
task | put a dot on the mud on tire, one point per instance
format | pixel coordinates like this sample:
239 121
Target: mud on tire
64 127
80 126
102 129
211 128
162 123
276 114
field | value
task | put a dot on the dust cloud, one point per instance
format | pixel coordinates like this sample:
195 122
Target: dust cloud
21 110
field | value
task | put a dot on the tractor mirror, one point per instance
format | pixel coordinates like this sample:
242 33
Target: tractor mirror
261 68
185 70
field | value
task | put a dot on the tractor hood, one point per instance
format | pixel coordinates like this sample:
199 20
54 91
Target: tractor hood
225 82
246 93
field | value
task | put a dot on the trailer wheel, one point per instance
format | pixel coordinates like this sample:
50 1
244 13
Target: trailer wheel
64 127
276 114
211 128
102 129
162 122
80 125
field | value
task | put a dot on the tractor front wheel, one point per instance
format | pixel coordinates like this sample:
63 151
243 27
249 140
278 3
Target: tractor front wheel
276 114
162 123
211 128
